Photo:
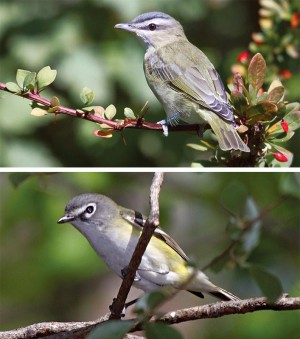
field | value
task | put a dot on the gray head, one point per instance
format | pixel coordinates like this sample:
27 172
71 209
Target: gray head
154 28
86 210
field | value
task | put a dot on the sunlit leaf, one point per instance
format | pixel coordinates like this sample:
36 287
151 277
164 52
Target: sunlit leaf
269 284
113 329
38 112
293 120
13 87
198 147
257 71
99 111
275 91
20 77
110 112
87 96
128 112
45 77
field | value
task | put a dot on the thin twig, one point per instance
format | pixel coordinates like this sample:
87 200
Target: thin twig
114 124
148 230
247 225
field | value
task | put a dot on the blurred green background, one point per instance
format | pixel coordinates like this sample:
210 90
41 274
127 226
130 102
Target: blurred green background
48 272
79 40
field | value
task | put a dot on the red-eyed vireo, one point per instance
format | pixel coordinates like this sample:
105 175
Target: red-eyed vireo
183 79
113 231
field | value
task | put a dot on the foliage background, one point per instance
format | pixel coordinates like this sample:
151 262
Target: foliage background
48 272
78 39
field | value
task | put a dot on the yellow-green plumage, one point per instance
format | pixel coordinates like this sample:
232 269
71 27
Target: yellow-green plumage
183 79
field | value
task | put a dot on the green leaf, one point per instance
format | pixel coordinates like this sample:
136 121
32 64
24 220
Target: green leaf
87 96
197 147
29 81
276 91
239 101
159 330
110 112
112 329
13 87
18 178
128 112
269 284
262 111
251 238
292 107
45 77
293 120
285 152
149 301
257 71
233 197
290 184
21 75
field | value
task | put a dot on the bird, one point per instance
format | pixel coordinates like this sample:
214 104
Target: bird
113 232
183 79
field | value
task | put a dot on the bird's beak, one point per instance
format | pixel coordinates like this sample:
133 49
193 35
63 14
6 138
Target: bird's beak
65 218
126 27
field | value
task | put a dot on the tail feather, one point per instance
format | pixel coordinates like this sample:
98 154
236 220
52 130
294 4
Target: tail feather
224 295
227 135
219 293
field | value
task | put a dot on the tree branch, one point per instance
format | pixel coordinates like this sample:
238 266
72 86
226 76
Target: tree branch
148 230
78 330
139 123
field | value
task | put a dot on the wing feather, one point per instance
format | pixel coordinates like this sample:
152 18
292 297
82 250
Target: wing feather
138 221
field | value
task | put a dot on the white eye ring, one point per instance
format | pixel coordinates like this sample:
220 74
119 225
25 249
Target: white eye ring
89 210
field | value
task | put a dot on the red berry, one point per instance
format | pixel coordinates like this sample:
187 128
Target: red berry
295 20
280 157
284 126
285 73
243 57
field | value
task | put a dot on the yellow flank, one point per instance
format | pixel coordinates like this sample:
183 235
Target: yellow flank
168 256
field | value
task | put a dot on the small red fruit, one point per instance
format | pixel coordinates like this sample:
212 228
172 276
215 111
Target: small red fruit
280 157
284 126
243 57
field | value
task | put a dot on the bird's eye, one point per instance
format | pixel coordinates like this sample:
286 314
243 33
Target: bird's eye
90 209
152 27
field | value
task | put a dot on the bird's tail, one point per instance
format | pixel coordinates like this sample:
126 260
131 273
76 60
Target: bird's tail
219 293
227 135
224 295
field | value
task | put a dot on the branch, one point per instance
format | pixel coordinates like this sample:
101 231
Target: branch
148 230
220 309
139 123
78 330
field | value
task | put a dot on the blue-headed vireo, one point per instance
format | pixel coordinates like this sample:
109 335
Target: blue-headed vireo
183 79
113 231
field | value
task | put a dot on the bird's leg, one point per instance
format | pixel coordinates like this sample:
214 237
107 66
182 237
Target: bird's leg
173 120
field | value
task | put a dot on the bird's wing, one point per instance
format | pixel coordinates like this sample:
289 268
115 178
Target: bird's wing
201 84
139 221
